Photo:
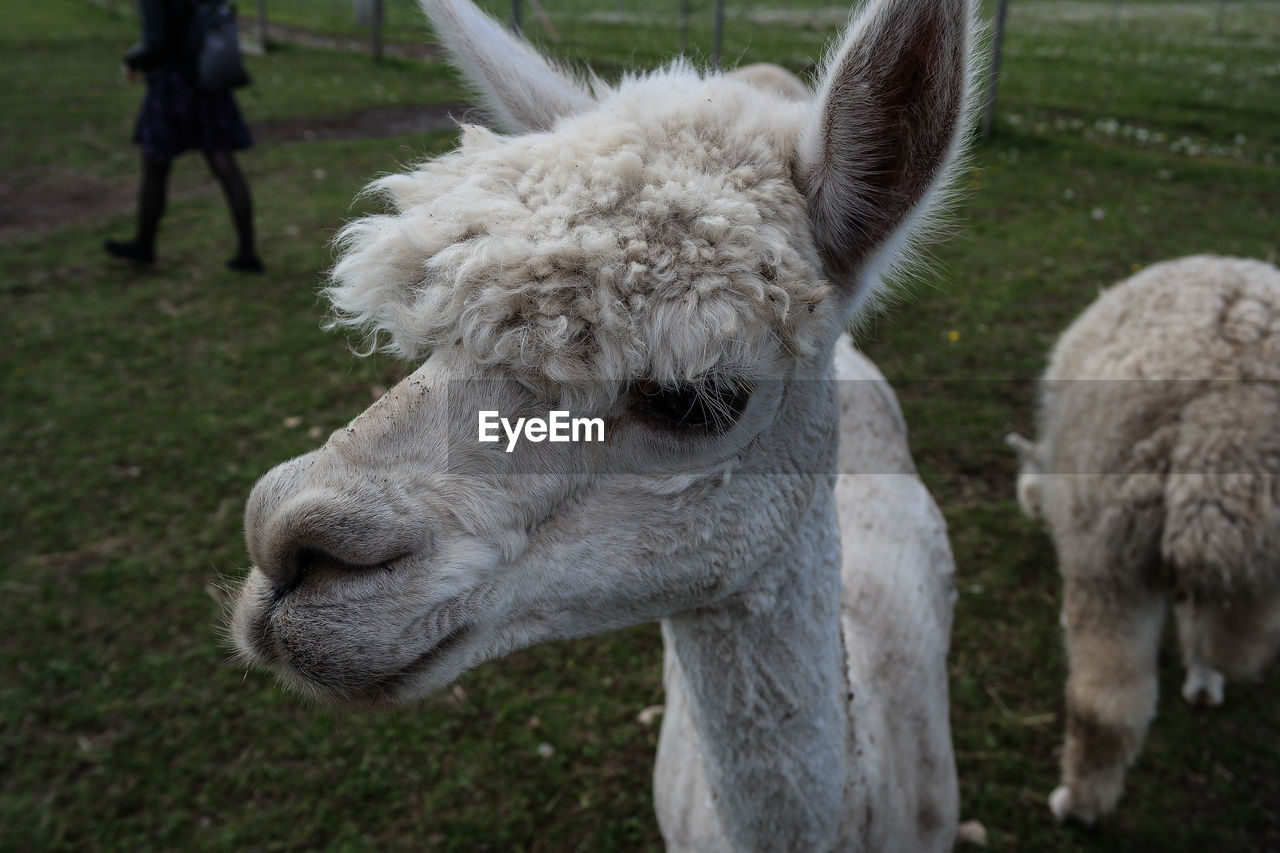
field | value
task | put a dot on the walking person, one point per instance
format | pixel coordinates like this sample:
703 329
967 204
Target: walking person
177 116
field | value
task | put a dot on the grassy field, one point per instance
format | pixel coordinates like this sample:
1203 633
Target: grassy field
139 408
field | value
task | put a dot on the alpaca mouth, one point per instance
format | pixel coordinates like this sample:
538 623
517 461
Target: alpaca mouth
387 689
329 679
424 661
373 642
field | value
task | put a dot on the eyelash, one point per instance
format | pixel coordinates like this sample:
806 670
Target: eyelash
710 408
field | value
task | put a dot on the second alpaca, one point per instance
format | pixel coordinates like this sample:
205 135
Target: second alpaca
1157 469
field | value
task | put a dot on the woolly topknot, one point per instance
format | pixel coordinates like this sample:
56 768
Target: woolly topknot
660 236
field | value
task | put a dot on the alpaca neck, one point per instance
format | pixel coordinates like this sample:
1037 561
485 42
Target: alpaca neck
763 676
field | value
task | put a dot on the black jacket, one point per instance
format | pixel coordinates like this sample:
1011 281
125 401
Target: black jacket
166 38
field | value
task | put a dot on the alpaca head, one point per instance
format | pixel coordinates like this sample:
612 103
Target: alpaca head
674 256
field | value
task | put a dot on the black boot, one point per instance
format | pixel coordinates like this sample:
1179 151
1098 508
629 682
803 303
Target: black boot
236 189
130 250
246 263
141 250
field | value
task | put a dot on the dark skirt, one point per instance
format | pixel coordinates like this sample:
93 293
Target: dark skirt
176 117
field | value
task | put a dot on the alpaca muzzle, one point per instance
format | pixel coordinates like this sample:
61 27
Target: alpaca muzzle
304 524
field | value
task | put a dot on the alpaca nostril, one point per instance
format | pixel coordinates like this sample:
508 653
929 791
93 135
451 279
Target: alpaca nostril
308 524
308 562
308 558
288 572
295 567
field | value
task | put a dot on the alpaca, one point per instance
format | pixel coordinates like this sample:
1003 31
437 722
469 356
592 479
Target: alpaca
772 78
677 255
1169 385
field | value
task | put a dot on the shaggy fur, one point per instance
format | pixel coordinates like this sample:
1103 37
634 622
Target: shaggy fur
771 78
653 237
1158 468
677 235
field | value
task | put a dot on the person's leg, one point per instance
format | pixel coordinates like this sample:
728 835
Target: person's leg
236 188
151 200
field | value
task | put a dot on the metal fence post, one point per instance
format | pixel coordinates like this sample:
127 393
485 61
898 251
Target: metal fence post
717 34
993 78
684 27
262 24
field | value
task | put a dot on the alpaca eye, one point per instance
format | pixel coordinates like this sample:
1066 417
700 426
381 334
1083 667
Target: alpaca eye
711 407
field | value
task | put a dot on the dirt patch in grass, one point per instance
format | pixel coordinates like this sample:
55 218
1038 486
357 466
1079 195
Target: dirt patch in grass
47 203
35 205
423 51
365 124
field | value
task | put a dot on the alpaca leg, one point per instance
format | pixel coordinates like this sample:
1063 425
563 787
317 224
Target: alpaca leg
1113 637
1238 637
1204 684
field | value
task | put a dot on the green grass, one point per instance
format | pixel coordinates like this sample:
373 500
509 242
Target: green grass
138 410
85 109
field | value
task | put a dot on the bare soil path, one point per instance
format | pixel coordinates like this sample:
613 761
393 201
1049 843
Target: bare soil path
423 51
365 124
33 205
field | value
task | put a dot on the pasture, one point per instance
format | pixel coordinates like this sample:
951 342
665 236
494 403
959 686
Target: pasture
140 407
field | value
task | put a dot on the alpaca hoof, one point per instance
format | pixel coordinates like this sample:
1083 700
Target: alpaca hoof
1060 802
1061 806
1203 687
971 833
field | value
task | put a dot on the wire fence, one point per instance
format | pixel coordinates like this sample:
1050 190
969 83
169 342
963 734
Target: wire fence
382 21
697 27
403 18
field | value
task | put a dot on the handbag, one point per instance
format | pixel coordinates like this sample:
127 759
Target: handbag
215 39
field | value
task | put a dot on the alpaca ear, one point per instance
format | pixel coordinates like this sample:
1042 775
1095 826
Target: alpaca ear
888 121
523 89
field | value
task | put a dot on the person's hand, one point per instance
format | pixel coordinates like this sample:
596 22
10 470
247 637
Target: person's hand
130 74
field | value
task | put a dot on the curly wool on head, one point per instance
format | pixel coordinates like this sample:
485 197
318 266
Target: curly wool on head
660 236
